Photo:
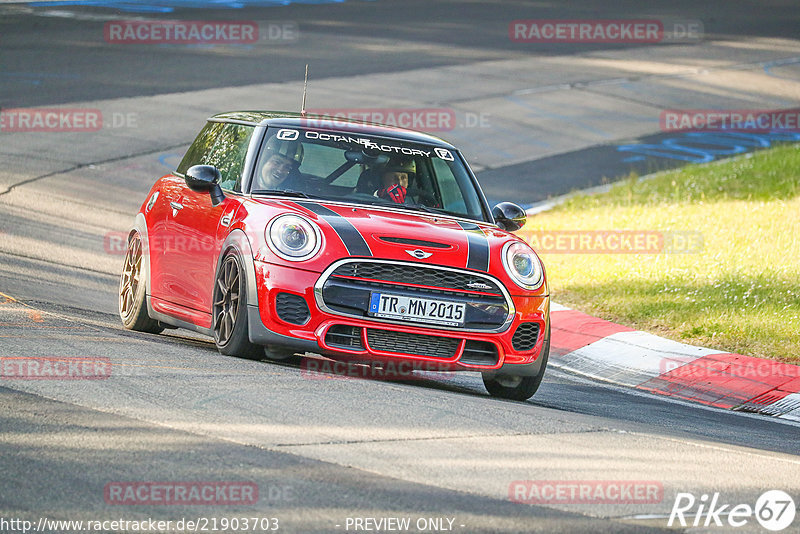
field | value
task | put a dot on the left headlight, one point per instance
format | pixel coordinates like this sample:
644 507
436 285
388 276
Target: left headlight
293 238
523 265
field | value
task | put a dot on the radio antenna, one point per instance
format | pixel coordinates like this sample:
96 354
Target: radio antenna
305 86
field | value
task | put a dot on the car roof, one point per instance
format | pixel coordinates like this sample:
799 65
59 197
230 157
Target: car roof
324 122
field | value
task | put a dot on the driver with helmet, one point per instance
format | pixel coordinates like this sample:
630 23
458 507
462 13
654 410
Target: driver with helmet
395 178
280 170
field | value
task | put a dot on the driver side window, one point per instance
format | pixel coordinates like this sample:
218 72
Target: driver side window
200 151
223 146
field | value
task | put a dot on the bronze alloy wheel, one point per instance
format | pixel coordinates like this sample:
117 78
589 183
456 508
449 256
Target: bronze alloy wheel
131 278
229 311
132 290
227 294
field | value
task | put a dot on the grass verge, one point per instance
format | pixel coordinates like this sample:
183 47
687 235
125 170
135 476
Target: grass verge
739 293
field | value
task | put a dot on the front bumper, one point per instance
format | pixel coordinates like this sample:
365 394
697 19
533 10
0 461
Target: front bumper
348 337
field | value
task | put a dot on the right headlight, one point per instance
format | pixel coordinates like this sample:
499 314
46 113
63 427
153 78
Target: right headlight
523 265
293 238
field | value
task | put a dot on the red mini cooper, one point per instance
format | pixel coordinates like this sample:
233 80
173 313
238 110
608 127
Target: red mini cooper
283 233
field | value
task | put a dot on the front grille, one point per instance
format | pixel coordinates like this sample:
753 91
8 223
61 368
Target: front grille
424 276
416 344
292 308
525 337
344 336
349 288
479 353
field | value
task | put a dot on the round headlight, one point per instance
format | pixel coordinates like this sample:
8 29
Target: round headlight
523 265
293 238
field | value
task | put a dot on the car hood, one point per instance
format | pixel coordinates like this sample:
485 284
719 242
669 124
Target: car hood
355 230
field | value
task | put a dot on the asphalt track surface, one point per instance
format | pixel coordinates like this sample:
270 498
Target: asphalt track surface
321 451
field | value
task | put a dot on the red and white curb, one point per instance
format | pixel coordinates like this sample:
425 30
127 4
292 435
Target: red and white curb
615 353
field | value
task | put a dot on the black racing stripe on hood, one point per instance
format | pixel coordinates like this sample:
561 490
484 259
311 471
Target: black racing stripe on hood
478 251
353 240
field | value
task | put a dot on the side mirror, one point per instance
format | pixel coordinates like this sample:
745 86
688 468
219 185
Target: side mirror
509 216
205 178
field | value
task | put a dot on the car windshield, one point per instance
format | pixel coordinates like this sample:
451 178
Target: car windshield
353 167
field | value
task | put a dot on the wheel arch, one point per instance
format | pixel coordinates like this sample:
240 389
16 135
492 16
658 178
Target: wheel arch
140 225
237 240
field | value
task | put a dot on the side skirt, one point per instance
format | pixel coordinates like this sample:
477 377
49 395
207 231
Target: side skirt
178 323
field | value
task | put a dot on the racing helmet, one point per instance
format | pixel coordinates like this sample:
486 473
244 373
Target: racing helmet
292 150
407 166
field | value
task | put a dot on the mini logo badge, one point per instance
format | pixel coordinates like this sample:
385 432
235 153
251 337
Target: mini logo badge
419 254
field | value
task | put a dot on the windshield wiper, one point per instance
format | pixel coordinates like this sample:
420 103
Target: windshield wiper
281 192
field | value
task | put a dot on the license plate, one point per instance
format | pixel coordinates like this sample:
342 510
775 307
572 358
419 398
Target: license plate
418 310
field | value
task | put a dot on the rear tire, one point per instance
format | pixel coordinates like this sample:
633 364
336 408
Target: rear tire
229 311
133 290
515 387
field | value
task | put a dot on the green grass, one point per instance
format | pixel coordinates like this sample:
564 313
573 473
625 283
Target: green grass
741 293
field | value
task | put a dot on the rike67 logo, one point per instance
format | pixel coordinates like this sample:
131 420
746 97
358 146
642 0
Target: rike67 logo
774 510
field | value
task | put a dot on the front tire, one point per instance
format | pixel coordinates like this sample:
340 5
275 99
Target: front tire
229 311
133 290
515 387
280 354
